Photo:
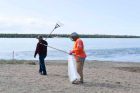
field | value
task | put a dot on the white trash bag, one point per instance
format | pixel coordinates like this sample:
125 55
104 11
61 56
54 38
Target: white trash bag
72 71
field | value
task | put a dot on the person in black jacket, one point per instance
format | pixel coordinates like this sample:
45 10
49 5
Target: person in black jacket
41 50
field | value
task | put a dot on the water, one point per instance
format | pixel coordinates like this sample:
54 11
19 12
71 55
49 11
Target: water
103 49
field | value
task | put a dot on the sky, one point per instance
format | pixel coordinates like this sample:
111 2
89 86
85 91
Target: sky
110 17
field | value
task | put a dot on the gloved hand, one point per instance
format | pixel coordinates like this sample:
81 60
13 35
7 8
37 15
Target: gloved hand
70 53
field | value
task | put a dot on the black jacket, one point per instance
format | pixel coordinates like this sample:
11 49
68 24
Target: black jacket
41 48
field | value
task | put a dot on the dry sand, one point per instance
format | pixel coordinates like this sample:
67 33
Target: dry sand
99 77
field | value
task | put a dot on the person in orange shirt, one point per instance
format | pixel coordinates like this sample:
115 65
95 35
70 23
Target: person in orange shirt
79 54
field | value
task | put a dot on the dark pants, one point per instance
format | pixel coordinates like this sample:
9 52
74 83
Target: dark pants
42 68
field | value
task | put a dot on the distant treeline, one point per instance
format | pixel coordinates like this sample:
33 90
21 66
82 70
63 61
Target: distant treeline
64 36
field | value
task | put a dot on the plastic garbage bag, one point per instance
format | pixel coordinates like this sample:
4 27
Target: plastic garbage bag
72 71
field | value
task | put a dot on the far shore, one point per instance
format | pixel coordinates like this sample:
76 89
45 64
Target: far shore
4 35
21 76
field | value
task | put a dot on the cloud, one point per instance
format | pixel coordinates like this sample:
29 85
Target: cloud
24 24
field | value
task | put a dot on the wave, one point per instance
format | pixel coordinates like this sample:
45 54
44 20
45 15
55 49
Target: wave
117 54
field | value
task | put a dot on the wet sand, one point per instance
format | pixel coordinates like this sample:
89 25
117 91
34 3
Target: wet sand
99 77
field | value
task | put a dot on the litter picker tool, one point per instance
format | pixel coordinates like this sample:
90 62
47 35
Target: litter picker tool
58 24
58 49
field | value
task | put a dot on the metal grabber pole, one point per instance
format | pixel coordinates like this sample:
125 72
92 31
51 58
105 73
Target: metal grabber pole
56 26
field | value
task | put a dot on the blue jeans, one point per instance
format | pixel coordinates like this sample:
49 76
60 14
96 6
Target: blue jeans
42 67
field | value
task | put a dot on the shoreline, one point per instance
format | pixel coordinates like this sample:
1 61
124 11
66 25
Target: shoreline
59 61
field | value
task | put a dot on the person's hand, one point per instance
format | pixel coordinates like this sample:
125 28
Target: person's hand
70 53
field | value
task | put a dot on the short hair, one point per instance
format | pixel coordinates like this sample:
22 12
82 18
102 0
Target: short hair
39 37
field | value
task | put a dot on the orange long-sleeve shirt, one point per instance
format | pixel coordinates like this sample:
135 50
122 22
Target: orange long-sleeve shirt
78 48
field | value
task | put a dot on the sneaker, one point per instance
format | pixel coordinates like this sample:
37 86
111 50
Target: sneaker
75 82
44 74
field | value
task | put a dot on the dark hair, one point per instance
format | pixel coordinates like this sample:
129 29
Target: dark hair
39 37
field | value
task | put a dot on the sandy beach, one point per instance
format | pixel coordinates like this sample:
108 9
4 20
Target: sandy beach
99 77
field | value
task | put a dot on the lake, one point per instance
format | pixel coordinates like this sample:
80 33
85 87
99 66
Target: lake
103 49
